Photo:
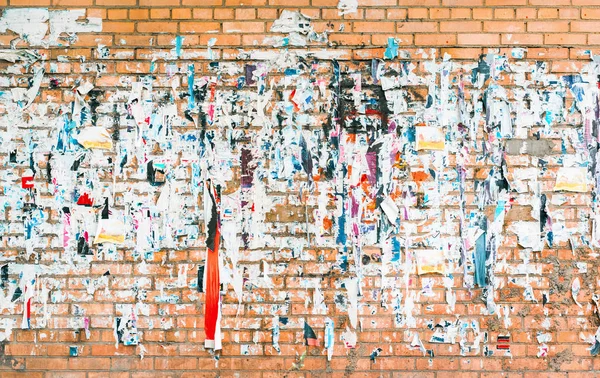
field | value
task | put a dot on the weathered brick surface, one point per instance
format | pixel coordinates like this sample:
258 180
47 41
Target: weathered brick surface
288 216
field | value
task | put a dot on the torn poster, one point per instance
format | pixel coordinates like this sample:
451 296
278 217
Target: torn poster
347 6
391 51
33 24
94 137
430 261
430 138
110 231
351 285
275 333
575 289
528 234
310 337
349 338
13 56
126 331
481 252
289 22
375 353
212 282
26 97
571 179
503 342
329 337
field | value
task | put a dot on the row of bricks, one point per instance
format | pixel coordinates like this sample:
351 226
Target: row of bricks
100 312
377 322
250 257
55 342
563 58
310 364
562 13
428 43
300 374
138 14
246 27
396 29
315 3
436 296
291 340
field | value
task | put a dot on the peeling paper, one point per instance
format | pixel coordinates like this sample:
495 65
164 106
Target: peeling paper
13 56
351 285
430 261
571 179
110 231
347 6
528 234
329 337
430 138
95 138
291 22
349 338
30 23
575 289
33 24
275 333
65 24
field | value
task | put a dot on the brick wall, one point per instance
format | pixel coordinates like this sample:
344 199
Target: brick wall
417 179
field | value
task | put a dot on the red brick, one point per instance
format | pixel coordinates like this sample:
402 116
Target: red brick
118 27
66 3
435 39
295 3
198 27
223 13
139 14
160 13
117 14
529 39
418 12
548 26
245 14
462 3
33 363
505 2
232 2
461 13
159 3
482 13
439 13
29 3
416 27
243 27
590 13
116 2
565 39
568 13
373 27
526 13
504 26
460 26
157 27
479 39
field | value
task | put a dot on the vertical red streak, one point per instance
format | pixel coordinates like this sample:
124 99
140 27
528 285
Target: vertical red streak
212 284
